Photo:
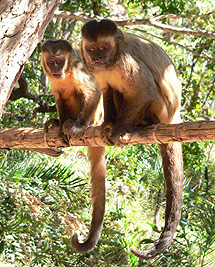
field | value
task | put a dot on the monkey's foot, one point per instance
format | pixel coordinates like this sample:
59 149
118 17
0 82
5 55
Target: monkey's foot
121 135
77 131
125 138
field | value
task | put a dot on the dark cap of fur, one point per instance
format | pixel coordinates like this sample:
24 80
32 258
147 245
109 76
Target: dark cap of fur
92 29
54 45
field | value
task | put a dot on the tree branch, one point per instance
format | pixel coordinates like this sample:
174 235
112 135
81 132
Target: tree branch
36 139
150 22
179 30
22 91
168 16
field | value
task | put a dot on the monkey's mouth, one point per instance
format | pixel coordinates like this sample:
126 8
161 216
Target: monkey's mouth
99 64
57 75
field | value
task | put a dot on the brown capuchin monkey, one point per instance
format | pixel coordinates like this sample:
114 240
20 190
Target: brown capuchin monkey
78 99
140 87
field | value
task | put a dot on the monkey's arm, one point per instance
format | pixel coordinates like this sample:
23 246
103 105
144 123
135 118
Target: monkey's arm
109 106
62 110
133 111
61 115
134 102
89 105
87 91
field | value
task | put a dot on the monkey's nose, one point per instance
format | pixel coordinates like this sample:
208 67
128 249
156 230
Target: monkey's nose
97 58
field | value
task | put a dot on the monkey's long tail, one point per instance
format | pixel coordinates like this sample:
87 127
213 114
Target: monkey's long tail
98 170
173 172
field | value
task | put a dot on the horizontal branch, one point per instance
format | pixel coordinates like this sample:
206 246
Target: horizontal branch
32 139
23 91
49 143
167 28
174 16
150 22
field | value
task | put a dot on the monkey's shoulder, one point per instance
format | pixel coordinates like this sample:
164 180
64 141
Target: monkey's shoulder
134 39
81 75
145 48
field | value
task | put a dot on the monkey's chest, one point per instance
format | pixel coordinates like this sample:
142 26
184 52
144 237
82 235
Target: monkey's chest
70 100
112 78
64 89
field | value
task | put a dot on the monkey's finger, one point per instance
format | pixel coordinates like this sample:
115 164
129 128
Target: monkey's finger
67 126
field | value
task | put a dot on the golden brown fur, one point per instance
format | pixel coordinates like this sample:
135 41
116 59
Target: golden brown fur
140 86
77 98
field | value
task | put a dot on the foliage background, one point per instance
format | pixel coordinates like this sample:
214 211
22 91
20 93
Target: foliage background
41 198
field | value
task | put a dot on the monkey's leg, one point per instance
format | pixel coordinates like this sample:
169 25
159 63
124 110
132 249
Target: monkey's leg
173 172
131 112
98 169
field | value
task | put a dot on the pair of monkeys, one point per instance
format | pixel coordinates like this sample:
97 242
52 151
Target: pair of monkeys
139 86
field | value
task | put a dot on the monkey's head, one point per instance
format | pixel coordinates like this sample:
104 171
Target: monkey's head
56 58
100 44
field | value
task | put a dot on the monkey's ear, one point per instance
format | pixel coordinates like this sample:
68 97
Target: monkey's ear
120 36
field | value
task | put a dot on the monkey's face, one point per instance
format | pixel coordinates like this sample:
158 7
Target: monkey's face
56 66
56 58
100 54
100 44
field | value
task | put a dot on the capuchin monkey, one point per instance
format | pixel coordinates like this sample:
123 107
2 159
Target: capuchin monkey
140 87
77 99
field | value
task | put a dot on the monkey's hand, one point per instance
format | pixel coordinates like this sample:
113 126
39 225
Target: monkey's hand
77 131
66 129
50 123
105 130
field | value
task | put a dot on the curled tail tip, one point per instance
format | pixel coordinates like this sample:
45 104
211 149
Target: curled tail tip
82 247
144 254
74 242
159 247
76 245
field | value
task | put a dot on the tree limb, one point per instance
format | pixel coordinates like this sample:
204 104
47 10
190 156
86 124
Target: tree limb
36 139
179 30
168 16
22 91
150 22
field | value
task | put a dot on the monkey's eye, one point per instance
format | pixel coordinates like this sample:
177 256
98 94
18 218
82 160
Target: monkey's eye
51 62
92 49
103 48
58 61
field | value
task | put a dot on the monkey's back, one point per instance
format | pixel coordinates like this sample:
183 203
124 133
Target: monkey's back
162 69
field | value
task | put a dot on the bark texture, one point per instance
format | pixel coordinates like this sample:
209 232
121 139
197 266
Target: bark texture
36 139
23 23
